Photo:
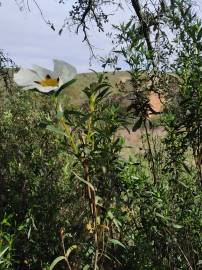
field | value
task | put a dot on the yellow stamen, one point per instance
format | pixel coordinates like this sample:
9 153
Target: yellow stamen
48 81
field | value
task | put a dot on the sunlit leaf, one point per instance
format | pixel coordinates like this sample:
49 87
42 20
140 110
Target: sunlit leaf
56 261
3 252
84 181
55 130
86 267
177 226
116 243
70 250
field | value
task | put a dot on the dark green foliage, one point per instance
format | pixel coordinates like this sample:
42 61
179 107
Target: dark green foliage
67 196
160 233
32 181
148 226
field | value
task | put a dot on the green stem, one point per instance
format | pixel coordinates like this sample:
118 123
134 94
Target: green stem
66 127
69 135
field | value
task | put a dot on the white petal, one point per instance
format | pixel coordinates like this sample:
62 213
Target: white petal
29 87
64 71
25 77
45 89
42 72
41 88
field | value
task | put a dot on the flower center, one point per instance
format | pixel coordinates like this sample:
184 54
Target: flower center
48 81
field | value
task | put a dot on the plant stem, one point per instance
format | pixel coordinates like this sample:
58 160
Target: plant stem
69 135
93 209
150 154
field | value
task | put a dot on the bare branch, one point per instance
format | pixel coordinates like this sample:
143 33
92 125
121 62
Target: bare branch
144 26
6 69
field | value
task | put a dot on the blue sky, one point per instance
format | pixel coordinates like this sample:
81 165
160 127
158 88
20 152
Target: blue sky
28 40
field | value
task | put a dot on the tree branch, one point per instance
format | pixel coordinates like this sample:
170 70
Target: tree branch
144 26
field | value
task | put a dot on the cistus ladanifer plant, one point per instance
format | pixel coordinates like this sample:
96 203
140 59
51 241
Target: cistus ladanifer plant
89 134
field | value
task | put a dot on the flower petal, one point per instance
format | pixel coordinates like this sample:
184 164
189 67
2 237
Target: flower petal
42 72
45 89
40 88
29 77
29 87
25 77
64 71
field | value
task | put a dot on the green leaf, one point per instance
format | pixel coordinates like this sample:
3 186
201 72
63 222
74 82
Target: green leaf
110 215
128 25
86 267
29 232
117 223
102 85
64 86
199 34
139 46
108 257
183 184
137 124
70 250
98 199
56 261
116 243
84 181
59 114
103 94
177 226
56 130
3 252
161 216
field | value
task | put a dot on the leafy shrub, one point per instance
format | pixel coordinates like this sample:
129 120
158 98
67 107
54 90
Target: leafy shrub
33 174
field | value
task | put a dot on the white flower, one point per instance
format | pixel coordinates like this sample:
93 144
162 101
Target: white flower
43 79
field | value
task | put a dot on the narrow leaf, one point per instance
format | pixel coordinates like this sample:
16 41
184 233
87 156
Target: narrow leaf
199 262
3 252
56 130
84 181
70 250
137 124
177 226
56 261
64 86
116 242
199 36
161 216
